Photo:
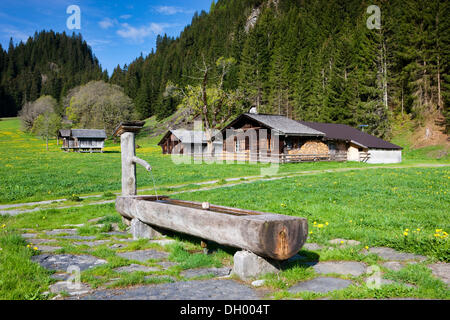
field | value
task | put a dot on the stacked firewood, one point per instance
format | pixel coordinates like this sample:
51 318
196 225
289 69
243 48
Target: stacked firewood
314 149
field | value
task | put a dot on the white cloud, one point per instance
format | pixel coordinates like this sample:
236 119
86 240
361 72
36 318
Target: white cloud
140 33
17 35
125 16
108 23
169 10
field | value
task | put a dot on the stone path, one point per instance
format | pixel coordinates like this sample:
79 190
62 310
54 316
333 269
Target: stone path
216 272
221 286
61 262
393 255
192 290
321 285
143 255
441 271
341 267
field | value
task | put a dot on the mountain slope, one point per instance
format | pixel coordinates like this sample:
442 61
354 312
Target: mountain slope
311 60
48 64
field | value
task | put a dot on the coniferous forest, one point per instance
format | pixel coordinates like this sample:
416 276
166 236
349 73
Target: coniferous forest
47 64
314 60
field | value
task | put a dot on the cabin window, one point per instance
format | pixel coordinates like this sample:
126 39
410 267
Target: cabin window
238 146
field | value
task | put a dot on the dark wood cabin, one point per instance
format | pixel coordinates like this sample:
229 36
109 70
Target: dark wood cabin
266 138
82 140
183 141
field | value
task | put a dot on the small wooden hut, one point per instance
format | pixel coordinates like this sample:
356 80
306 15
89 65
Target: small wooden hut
82 140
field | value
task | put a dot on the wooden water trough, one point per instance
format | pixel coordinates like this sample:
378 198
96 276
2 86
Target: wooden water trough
266 234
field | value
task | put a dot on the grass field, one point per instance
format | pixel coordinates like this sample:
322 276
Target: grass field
406 209
30 173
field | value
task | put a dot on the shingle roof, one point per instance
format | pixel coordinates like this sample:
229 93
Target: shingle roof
190 136
284 125
347 133
64 133
89 133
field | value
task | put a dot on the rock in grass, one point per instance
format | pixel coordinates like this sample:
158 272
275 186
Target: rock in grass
44 248
248 265
136 268
72 289
393 255
312 246
320 285
344 242
393 265
217 272
62 262
29 235
166 264
163 242
441 271
341 267
143 255
56 232
258 283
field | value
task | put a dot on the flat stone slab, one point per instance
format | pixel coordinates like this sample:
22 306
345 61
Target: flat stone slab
393 255
344 242
45 248
29 235
393 265
312 246
91 243
136 268
217 272
320 285
56 232
117 233
384 282
163 242
441 271
160 277
341 267
189 290
75 237
60 276
41 241
71 289
143 255
61 262
166 264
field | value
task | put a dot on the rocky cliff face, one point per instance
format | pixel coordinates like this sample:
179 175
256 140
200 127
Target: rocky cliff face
256 12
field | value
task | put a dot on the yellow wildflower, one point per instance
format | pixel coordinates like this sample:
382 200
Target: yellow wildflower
405 233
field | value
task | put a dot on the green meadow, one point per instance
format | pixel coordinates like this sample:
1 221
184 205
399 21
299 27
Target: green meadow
30 173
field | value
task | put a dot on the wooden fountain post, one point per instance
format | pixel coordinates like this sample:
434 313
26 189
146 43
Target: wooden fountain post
126 131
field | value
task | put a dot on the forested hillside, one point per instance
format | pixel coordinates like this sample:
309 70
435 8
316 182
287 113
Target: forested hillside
309 59
314 60
47 64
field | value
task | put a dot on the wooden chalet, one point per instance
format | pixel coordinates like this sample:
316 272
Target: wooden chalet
182 141
251 137
82 140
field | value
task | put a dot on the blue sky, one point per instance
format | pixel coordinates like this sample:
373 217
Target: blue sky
117 31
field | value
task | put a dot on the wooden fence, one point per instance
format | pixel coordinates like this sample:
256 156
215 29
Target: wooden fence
274 158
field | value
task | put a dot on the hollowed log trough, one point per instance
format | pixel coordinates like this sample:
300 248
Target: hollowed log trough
266 234
269 235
